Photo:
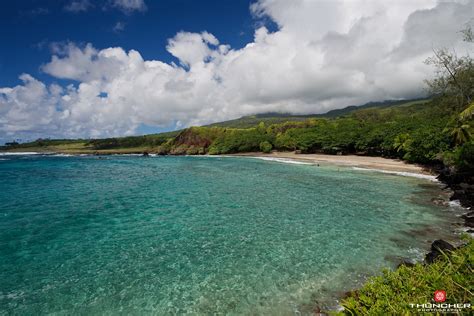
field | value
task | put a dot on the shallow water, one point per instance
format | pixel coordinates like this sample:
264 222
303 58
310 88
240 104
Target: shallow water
200 235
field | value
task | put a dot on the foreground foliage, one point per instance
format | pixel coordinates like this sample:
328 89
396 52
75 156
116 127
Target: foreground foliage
392 292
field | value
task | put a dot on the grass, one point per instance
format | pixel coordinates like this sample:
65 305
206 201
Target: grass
393 291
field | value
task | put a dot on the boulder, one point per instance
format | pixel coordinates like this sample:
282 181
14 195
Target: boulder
437 248
464 185
468 214
406 262
469 221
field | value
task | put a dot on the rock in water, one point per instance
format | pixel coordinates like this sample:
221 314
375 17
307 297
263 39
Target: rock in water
146 154
437 247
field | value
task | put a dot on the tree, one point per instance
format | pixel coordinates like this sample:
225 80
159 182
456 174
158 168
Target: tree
266 147
460 133
402 142
454 74
467 114
455 78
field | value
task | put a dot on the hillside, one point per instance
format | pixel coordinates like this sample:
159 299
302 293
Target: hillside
276 118
421 131
155 142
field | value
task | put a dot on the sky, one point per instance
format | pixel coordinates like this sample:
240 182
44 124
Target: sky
104 68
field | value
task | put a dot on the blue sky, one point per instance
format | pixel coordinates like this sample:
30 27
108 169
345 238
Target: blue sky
28 28
106 68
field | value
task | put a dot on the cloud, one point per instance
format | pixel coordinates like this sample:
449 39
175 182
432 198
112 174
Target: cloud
78 6
119 27
128 6
192 48
324 55
38 11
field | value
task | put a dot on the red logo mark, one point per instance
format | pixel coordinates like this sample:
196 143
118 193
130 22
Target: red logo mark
440 296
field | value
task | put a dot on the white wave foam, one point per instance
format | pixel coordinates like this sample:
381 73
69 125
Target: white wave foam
466 231
417 254
401 173
275 159
455 203
284 160
20 153
62 155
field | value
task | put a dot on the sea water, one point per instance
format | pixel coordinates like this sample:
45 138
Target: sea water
201 235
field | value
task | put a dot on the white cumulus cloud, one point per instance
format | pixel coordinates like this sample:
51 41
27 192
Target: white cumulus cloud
324 55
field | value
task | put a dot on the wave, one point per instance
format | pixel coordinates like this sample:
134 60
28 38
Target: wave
455 203
467 230
401 173
284 160
24 153
416 254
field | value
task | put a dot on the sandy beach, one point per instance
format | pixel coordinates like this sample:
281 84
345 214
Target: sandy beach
379 163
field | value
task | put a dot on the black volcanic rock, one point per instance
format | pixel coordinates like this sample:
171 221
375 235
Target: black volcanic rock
406 262
437 248
469 221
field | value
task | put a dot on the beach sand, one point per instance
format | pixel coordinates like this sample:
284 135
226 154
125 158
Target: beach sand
378 163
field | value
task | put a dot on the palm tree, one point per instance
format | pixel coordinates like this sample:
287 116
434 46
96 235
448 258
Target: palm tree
460 133
460 130
467 114
401 142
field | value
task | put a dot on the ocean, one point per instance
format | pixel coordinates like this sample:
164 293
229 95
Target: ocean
201 235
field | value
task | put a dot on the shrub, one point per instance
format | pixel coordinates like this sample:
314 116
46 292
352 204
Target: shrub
392 292
266 147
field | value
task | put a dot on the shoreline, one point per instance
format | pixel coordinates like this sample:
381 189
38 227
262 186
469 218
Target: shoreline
364 162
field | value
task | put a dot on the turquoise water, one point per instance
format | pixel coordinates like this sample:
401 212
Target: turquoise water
199 235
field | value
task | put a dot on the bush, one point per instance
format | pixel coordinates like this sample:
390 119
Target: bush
392 292
465 157
265 147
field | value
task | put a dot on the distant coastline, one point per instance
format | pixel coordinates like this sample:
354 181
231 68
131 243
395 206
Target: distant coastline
367 162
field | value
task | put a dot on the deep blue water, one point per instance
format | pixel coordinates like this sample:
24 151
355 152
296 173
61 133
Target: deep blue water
200 235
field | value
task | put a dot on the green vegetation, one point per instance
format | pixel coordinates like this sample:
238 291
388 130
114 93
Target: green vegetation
419 132
278 118
392 292
265 147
